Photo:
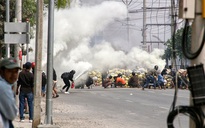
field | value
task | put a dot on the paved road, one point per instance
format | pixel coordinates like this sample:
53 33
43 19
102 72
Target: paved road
117 108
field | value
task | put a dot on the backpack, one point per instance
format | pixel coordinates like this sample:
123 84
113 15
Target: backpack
44 79
65 75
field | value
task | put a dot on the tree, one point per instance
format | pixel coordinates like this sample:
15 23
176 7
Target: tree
28 11
28 14
178 45
59 3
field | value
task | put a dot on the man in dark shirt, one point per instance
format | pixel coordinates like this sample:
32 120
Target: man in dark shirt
26 81
133 81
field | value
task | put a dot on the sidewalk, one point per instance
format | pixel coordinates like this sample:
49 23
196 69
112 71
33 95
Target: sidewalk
26 123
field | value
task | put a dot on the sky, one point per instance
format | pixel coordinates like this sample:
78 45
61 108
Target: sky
78 46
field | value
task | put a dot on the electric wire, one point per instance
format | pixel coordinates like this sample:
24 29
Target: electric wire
185 48
195 113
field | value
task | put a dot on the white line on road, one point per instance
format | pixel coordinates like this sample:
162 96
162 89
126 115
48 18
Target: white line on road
129 101
164 108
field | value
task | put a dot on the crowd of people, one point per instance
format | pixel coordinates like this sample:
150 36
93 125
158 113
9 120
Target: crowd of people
11 73
153 78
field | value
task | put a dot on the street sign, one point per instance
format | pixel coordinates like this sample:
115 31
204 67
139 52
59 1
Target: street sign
16 27
16 38
16 33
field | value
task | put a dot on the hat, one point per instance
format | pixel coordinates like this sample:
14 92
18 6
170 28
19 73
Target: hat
9 63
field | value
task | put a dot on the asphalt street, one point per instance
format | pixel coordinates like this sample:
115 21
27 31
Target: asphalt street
119 108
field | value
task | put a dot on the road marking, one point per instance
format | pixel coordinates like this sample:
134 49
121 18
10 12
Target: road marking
129 101
146 104
164 108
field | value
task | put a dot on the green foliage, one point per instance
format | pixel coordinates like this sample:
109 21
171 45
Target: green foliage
59 3
29 11
28 14
63 3
178 44
2 20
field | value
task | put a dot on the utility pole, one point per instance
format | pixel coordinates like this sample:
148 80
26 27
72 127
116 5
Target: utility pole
128 31
7 20
144 46
127 19
18 14
173 60
38 66
49 101
197 35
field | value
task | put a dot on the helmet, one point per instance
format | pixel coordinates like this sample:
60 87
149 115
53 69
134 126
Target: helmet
119 75
33 64
110 77
156 67
133 73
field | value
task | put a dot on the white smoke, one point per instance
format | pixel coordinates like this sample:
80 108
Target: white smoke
74 29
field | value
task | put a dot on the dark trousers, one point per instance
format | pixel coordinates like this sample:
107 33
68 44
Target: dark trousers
67 85
150 79
29 97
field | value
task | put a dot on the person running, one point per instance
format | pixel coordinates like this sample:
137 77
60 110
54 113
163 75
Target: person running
67 77
9 73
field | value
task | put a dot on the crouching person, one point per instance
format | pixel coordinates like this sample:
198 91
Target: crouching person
89 82
108 82
160 81
133 81
120 81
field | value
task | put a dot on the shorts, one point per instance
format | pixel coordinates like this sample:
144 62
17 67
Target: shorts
54 84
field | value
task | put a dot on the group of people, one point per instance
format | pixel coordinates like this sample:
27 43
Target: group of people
156 78
10 74
153 77
119 81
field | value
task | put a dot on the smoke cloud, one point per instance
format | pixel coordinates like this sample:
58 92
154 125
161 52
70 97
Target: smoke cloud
74 29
